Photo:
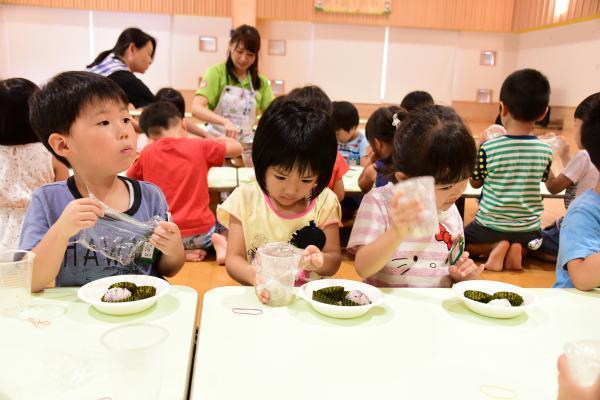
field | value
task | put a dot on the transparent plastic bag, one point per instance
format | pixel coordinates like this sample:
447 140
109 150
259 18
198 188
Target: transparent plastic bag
584 360
493 131
277 266
422 189
122 238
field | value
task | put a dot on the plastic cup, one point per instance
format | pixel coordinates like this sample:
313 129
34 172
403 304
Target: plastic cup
247 155
16 267
583 359
493 131
423 190
277 265
136 353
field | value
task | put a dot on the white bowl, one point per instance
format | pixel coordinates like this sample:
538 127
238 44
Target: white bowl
374 294
92 293
491 287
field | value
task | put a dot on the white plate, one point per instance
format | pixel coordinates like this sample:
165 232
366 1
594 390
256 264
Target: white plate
374 294
491 287
92 293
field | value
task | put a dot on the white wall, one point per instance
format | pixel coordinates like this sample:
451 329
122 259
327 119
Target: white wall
44 41
187 63
470 76
294 67
36 43
569 56
420 59
4 55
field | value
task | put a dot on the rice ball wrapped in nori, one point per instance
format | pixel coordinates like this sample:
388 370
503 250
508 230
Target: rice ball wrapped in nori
132 287
335 292
117 295
358 297
476 295
515 299
321 297
500 302
143 292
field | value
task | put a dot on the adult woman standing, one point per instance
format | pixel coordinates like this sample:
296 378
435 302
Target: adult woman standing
133 52
231 92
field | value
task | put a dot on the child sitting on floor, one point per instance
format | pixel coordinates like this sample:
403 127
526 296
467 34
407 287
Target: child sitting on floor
179 166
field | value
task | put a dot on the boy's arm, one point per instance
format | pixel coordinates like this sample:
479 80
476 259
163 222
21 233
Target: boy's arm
235 261
585 273
476 183
338 189
167 239
556 184
50 251
233 148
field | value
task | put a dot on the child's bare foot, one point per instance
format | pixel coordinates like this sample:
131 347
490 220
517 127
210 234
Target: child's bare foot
514 258
195 255
495 261
219 242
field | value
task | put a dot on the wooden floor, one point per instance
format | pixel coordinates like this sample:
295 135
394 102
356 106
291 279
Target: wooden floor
205 275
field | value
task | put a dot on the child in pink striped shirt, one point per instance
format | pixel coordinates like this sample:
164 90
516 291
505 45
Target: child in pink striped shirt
432 141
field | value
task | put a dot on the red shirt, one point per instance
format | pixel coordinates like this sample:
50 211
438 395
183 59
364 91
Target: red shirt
179 166
339 169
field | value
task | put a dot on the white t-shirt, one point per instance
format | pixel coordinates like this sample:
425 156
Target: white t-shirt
582 173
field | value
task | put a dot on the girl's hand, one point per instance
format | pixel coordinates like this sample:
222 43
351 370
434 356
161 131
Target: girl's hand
404 214
465 268
311 259
77 215
563 148
263 294
167 239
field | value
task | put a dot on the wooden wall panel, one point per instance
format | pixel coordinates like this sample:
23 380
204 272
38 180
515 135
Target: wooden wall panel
211 8
533 14
478 15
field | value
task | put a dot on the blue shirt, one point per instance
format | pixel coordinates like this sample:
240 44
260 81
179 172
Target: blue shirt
579 234
81 265
354 150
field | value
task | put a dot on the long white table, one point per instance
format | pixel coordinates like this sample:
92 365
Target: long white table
422 344
53 350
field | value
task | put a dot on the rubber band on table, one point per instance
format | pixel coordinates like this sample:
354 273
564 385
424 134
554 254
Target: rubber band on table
246 311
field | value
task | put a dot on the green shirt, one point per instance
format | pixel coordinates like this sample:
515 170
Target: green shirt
216 78
512 168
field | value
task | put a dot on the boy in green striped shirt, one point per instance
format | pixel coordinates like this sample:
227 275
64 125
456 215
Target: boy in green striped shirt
510 169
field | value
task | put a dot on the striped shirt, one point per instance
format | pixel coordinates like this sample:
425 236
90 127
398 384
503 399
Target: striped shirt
421 262
109 66
512 168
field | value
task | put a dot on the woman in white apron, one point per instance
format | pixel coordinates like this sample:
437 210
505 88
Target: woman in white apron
231 92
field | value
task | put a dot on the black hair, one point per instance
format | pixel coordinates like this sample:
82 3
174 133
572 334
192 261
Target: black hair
415 99
130 35
14 112
172 96
590 134
380 124
159 115
345 115
56 106
526 93
293 136
249 37
311 96
587 105
434 141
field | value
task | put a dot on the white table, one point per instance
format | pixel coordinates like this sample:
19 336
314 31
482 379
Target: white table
58 355
423 344
222 179
471 192
350 179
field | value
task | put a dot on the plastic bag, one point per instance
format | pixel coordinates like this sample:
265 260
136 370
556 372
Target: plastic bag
584 360
422 189
121 238
277 265
493 131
